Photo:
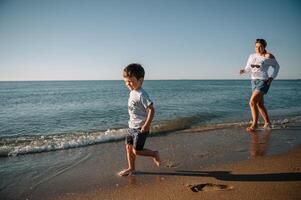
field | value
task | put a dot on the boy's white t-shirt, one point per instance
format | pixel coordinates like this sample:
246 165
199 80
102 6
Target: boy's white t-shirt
137 107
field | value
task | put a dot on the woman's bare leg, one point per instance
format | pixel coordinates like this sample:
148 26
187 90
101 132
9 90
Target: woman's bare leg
254 110
263 112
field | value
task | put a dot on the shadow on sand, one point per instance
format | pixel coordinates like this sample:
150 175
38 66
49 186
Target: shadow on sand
228 176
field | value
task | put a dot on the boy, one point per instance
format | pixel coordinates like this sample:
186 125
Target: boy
141 112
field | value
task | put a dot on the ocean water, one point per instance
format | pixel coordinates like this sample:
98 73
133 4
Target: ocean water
42 116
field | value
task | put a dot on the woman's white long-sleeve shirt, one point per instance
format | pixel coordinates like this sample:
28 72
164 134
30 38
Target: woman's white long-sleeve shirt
264 64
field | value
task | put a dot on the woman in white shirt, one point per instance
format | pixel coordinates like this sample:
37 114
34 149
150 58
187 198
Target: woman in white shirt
258 65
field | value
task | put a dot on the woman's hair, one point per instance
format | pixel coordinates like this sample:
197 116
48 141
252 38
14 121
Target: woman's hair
261 41
135 70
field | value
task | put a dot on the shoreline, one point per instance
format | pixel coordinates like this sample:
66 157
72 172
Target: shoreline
24 145
92 170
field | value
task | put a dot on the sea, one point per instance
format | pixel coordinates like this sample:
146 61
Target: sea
43 116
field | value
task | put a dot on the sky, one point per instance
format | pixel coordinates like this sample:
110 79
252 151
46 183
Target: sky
172 39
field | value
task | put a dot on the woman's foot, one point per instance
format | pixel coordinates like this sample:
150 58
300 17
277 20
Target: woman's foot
157 159
251 128
126 172
267 126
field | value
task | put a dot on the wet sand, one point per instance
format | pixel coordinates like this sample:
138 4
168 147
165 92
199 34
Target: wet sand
214 164
268 177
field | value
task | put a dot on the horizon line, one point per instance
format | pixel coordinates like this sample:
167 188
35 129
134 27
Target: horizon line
284 79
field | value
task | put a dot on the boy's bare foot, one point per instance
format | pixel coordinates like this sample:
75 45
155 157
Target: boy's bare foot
157 159
126 172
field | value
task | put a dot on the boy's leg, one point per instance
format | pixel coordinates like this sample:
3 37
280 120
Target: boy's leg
130 156
138 144
149 153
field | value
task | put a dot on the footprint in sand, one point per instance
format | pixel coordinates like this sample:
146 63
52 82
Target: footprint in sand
209 187
171 164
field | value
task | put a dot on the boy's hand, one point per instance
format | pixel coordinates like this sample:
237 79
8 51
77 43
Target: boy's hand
241 71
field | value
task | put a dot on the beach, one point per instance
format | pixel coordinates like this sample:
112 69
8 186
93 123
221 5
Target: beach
232 162
270 177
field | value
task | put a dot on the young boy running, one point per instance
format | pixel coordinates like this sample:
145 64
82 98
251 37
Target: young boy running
141 112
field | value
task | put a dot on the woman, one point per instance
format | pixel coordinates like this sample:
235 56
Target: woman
258 64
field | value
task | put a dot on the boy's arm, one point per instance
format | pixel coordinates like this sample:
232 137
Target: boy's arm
150 116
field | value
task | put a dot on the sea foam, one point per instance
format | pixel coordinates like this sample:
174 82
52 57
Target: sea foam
13 146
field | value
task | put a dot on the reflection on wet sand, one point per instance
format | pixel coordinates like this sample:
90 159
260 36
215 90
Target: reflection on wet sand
259 143
134 180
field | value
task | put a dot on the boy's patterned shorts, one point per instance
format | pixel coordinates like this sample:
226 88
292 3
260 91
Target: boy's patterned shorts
136 138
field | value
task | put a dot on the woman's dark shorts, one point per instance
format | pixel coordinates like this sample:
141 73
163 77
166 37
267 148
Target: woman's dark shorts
260 86
136 138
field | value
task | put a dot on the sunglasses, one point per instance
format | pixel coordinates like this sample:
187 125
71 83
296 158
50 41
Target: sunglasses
257 66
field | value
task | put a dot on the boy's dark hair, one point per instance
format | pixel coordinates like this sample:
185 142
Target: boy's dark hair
135 70
261 41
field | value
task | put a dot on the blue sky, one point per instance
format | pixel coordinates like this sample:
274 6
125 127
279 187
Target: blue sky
188 39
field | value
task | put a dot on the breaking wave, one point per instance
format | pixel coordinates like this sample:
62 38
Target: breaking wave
13 146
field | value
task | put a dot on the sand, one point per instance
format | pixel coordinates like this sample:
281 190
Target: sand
258 165
269 177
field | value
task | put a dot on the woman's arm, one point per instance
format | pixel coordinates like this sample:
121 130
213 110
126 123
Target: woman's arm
274 64
247 67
